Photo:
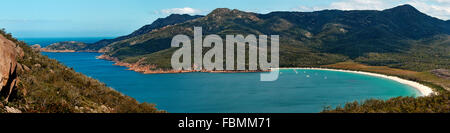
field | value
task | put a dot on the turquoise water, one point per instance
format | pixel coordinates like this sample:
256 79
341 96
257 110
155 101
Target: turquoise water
237 92
233 92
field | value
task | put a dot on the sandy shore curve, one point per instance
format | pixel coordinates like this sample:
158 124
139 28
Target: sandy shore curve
424 90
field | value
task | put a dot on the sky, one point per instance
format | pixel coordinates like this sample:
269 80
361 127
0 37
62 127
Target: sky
111 18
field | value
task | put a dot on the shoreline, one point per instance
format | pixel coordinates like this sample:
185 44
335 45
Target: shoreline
152 69
146 69
424 90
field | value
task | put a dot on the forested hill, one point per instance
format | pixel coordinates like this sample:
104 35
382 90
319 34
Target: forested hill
401 37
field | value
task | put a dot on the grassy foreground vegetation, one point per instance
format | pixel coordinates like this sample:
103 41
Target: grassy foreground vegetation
47 86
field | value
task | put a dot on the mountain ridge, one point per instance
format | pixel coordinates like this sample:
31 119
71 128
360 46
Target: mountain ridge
159 23
323 37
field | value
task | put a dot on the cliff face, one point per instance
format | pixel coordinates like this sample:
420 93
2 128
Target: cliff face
9 52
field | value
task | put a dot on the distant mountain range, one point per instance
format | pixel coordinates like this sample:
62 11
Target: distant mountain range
400 37
159 23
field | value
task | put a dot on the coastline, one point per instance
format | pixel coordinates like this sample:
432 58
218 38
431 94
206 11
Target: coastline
151 69
424 90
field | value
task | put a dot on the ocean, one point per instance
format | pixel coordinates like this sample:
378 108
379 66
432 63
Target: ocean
304 91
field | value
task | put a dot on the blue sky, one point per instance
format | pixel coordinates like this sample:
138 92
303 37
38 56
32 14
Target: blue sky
110 18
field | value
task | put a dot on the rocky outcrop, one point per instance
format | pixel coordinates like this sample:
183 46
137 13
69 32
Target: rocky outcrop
9 53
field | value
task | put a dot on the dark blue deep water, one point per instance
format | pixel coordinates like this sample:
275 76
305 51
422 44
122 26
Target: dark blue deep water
293 92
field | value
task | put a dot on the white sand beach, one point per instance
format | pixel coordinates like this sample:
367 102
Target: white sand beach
424 90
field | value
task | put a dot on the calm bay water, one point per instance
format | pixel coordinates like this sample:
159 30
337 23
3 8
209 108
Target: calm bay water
304 91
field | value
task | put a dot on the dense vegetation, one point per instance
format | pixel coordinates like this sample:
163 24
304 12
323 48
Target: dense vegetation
425 54
47 86
401 37
431 104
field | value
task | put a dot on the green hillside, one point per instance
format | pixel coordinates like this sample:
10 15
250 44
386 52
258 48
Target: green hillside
401 37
